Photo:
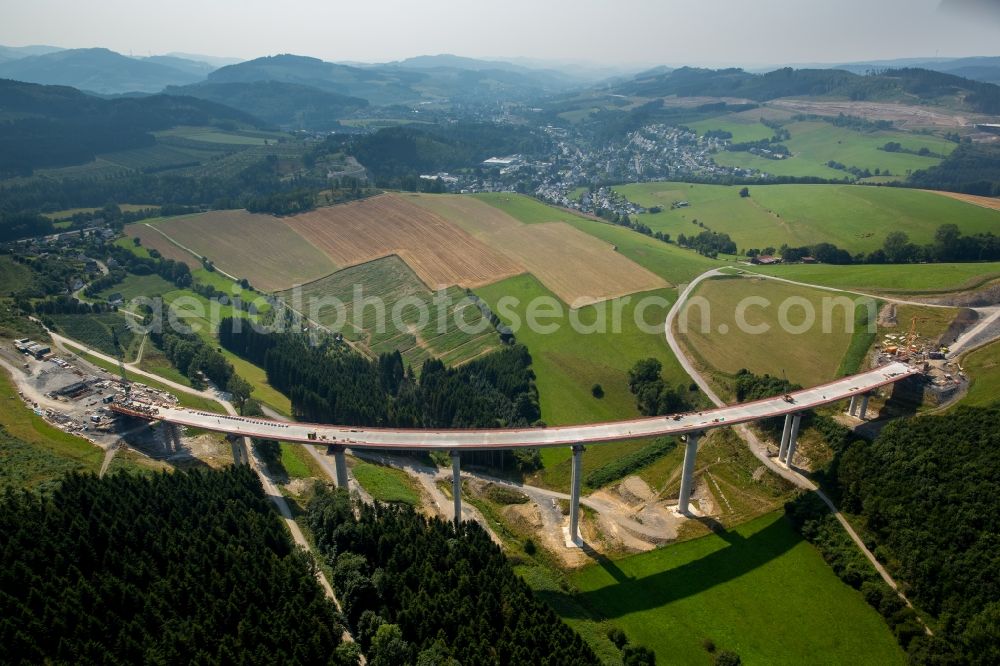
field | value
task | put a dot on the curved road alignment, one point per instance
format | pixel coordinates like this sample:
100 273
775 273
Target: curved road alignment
758 448
512 438
988 314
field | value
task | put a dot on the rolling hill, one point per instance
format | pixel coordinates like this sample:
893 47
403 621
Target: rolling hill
59 125
979 68
97 70
8 53
421 79
905 85
277 102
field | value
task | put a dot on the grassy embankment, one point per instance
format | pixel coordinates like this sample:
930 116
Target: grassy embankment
983 368
715 336
34 454
194 311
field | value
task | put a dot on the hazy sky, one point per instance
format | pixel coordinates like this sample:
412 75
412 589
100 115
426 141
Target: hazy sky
609 31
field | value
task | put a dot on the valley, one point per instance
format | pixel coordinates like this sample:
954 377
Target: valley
435 359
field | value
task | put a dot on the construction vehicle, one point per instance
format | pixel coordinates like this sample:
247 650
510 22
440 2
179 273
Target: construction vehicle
911 337
120 356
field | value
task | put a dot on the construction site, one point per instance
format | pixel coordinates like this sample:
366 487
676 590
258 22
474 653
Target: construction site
77 397
915 343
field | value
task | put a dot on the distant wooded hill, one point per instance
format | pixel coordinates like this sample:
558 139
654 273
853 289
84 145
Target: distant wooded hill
396 152
103 71
279 103
980 68
909 84
398 83
58 125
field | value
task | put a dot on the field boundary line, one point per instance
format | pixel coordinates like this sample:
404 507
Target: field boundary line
190 251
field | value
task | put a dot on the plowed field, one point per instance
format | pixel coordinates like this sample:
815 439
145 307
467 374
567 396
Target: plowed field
440 253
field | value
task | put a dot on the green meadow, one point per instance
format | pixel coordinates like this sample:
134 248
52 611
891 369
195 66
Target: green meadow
386 484
853 217
902 278
814 143
759 590
568 362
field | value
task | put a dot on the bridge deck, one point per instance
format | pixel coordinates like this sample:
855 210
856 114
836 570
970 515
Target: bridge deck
507 438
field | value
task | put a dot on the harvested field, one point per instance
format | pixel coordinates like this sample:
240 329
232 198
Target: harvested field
992 203
578 268
260 248
905 116
440 253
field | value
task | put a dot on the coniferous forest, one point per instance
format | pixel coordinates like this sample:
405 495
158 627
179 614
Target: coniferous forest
328 383
181 568
419 590
331 384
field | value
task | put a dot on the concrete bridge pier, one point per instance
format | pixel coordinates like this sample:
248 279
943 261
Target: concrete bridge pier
785 433
574 502
687 473
853 408
339 464
793 439
456 485
864 406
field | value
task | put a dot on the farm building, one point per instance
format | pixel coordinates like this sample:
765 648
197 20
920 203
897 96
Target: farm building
765 260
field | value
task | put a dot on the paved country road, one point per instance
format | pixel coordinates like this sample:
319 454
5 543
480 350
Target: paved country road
757 447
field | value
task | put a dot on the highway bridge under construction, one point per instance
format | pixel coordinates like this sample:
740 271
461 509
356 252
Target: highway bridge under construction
691 426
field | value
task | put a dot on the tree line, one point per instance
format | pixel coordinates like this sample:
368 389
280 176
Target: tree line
185 567
949 245
423 591
329 383
928 492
